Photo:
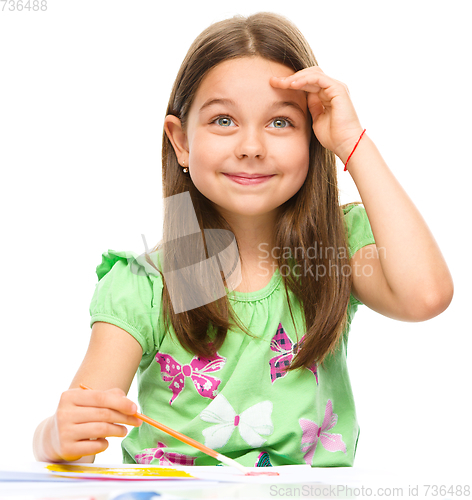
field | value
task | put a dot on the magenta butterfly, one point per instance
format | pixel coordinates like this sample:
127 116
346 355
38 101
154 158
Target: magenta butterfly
282 344
164 457
175 373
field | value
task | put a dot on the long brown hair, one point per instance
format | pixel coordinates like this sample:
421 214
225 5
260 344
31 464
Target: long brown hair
311 217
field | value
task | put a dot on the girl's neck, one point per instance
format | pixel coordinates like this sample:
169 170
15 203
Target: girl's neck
257 262
255 236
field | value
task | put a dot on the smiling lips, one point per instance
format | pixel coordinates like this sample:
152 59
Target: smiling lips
248 176
248 179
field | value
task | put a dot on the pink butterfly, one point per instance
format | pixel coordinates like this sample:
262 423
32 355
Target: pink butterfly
164 457
173 372
312 434
282 343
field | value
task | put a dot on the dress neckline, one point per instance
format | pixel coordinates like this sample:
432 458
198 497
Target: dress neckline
257 294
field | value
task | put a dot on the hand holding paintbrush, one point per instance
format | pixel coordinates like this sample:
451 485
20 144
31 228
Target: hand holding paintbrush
187 440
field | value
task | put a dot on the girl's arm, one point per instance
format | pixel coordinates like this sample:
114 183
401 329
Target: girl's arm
83 419
404 275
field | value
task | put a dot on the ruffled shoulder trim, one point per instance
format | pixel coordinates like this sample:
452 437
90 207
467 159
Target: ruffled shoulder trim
141 265
109 259
129 295
348 208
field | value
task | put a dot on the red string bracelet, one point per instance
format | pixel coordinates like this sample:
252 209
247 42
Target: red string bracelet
345 165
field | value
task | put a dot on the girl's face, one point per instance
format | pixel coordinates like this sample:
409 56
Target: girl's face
239 124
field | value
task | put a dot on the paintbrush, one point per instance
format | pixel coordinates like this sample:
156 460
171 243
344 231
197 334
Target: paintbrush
188 440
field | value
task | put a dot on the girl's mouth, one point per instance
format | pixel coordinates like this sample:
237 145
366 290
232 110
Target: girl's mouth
248 181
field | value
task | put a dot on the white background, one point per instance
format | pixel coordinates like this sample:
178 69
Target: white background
83 92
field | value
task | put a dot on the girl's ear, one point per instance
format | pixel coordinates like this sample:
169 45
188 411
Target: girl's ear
177 137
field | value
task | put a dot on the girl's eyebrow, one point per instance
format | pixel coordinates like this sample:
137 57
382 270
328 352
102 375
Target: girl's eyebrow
275 104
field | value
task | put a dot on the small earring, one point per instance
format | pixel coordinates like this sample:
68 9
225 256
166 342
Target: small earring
185 170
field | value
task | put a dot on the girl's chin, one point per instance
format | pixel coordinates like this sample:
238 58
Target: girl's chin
237 211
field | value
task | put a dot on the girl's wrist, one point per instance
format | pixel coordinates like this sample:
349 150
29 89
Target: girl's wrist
344 151
366 156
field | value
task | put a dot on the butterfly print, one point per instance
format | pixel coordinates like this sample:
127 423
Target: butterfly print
312 434
282 344
175 373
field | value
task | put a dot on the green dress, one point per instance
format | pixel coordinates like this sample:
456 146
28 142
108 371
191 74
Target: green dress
239 402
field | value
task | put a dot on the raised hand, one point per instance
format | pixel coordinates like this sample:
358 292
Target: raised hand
335 121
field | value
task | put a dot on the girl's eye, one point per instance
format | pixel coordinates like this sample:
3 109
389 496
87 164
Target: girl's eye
281 122
224 121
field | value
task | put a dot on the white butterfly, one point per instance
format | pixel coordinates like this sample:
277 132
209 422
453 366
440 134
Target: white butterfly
251 423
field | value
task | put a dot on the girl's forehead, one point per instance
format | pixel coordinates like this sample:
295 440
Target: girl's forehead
244 69
244 77
254 63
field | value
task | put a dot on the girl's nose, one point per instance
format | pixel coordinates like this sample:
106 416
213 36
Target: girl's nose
250 144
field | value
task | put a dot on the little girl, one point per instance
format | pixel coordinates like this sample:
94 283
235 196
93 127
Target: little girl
259 371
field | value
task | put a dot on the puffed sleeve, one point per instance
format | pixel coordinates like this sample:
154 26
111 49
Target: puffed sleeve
359 232
129 295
